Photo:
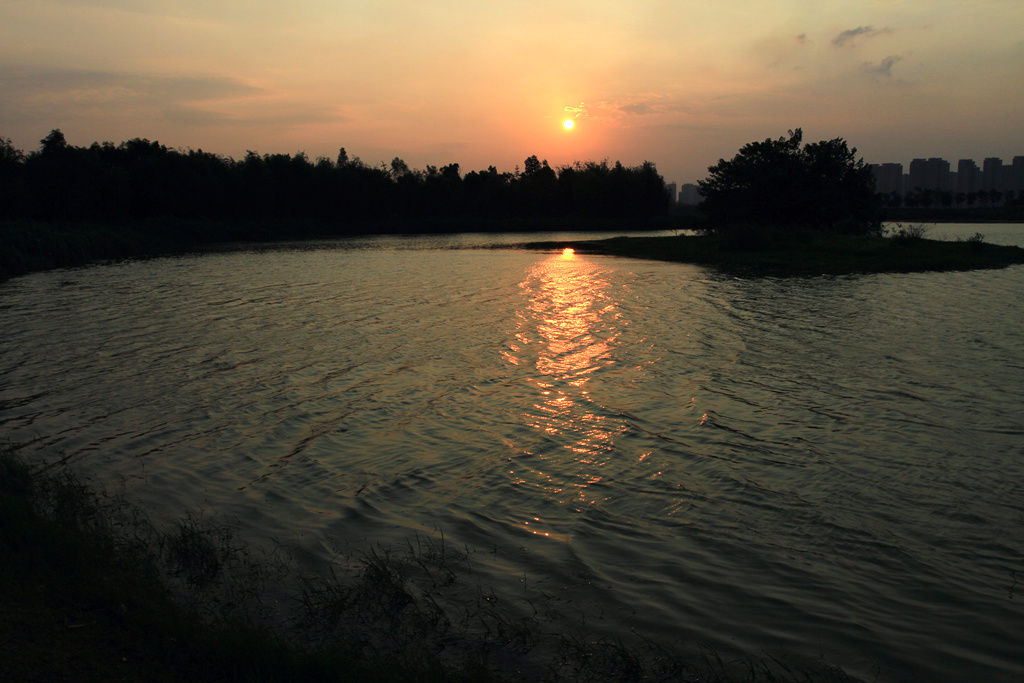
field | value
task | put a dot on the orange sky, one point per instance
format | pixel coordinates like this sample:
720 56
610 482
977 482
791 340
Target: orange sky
677 83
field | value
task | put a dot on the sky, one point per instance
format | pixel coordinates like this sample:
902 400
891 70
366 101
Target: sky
681 84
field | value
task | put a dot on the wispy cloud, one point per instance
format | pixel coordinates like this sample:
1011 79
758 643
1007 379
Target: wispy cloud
39 93
645 105
884 68
36 81
578 111
639 109
849 36
280 116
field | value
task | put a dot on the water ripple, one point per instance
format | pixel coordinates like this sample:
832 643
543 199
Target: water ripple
813 464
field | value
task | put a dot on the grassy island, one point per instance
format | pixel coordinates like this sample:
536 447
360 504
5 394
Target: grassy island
782 207
823 255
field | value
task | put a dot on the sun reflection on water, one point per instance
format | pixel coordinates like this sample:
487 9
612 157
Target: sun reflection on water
566 335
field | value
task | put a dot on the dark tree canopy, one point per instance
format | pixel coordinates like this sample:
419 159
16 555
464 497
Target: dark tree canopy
780 185
140 180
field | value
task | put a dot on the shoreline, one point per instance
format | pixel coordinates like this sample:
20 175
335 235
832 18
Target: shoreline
30 247
833 255
34 247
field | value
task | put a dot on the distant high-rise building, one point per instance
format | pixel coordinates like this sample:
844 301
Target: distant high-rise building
930 174
689 193
968 176
992 174
671 189
1017 177
888 178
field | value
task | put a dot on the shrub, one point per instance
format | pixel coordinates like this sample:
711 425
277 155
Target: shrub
908 234
975 241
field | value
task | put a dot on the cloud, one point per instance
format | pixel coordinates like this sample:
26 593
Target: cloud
849 36
105 98
884 68
79 83
578 112
639 108
802 39
280 115
627 107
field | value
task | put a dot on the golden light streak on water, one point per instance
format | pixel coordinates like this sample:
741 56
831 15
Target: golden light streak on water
568 330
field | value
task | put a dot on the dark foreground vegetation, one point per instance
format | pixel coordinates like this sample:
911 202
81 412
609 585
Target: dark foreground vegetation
902 250
91 591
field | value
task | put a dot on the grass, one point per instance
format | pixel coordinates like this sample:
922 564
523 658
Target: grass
85 598
904 251
91 591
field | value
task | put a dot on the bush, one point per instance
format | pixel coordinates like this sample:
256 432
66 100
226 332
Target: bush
975 241
908 234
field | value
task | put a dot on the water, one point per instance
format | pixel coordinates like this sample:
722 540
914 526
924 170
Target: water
822 466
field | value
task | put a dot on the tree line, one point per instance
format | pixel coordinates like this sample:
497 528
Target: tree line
140 180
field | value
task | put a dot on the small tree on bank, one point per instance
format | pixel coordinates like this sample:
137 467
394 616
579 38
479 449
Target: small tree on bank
779 187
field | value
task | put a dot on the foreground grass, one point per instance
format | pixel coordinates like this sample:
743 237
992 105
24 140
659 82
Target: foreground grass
835 255
90 591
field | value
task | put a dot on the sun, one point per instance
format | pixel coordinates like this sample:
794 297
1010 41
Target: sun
568 124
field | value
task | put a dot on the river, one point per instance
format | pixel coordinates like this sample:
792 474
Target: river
825 466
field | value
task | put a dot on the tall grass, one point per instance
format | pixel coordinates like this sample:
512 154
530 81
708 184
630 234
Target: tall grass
98 593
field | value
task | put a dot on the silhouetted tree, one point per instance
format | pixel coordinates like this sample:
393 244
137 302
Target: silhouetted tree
54 143
398 168
140 179
53 175
9 155
531 166
781 186
926 197
12 190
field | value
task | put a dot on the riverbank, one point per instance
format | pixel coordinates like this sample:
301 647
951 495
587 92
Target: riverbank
91 592
36 246
31 247
834 255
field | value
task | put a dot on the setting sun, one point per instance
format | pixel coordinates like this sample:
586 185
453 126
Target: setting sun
568 124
